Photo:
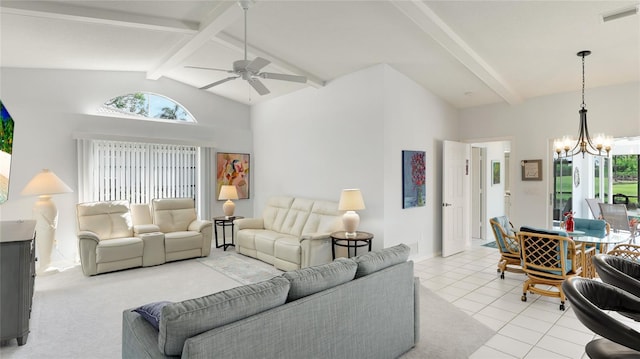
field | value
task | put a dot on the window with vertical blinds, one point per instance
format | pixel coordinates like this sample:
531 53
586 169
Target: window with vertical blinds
137 172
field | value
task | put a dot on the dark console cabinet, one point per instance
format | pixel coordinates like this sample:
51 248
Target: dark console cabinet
17 276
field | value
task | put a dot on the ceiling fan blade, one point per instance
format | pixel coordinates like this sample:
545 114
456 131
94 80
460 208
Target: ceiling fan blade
208 68
218 82
258 86
284 77
257 64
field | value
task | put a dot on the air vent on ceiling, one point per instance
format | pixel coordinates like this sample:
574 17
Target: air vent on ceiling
620 14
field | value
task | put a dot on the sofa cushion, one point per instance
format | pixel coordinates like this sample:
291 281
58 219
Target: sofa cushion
182 241
297 216
375 261
288 249
110 219
275 212
182 320
307 281
324 218
151 312
117 249
173 214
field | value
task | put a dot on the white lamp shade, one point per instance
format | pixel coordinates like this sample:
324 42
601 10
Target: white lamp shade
351 200
45 183
228 192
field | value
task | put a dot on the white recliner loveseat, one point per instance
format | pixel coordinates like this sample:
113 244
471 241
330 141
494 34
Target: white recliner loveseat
110 238
292 233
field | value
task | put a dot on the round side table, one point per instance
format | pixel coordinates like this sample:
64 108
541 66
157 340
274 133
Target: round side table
340 239
224 222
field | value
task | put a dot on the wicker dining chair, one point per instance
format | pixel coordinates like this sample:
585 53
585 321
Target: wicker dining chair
627 251
549 258
507 243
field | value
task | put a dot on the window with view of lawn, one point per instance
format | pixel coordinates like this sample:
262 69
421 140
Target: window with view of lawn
613 179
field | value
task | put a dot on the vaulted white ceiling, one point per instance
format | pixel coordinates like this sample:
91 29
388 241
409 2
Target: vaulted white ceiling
467 52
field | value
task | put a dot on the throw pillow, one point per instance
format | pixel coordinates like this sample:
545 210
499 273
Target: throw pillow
375 261
310 280
185 319
151 312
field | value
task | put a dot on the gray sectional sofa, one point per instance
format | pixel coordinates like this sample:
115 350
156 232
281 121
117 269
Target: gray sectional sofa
363 307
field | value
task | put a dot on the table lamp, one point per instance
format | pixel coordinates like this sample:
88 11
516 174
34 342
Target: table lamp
44 184
228 192
351 201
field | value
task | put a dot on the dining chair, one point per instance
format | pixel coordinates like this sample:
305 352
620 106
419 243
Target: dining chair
548 259
507 243
627 251
593 228
594 206
616 215
620 198
592 302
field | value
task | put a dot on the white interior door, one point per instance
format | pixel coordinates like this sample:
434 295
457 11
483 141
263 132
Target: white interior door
456 203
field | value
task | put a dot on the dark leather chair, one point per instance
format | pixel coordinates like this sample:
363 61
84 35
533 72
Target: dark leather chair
619 272
590 299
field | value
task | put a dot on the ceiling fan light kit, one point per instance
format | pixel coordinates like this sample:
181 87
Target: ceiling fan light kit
249 70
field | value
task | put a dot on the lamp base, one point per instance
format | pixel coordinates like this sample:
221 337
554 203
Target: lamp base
228 208
46 215
350 220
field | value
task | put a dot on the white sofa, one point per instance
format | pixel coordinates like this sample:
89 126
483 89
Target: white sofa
292 233
110 238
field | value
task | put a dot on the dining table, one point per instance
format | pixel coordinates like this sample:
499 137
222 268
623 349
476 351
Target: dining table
579 237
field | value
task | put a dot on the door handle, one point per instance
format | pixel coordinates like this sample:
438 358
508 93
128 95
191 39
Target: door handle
446 204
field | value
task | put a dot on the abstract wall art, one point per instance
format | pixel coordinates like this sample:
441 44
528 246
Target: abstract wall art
233 169
413 179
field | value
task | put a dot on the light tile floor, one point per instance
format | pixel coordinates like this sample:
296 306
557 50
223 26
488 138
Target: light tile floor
533 329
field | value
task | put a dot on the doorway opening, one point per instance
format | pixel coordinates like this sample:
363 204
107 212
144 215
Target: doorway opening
491 187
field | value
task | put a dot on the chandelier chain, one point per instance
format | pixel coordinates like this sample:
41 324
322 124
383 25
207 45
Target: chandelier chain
583 104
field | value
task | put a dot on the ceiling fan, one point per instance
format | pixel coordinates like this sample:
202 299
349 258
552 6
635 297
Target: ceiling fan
250 70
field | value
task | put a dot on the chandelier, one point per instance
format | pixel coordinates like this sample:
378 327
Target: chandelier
599 146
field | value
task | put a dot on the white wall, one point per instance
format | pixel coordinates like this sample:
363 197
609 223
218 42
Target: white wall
350 134
613 110
415 119
48 106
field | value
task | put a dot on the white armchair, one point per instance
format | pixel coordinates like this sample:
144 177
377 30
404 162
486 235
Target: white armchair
105 237
184 235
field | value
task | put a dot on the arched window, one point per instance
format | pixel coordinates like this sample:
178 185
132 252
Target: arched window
145 105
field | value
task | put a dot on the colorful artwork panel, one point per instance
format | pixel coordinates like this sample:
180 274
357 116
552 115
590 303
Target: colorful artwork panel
233 169
413 179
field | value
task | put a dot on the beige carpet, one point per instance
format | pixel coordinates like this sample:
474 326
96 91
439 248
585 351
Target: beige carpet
81 317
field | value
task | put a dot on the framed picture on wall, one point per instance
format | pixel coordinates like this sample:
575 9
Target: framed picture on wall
6 149
495 172
413 179
233 169
531 170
